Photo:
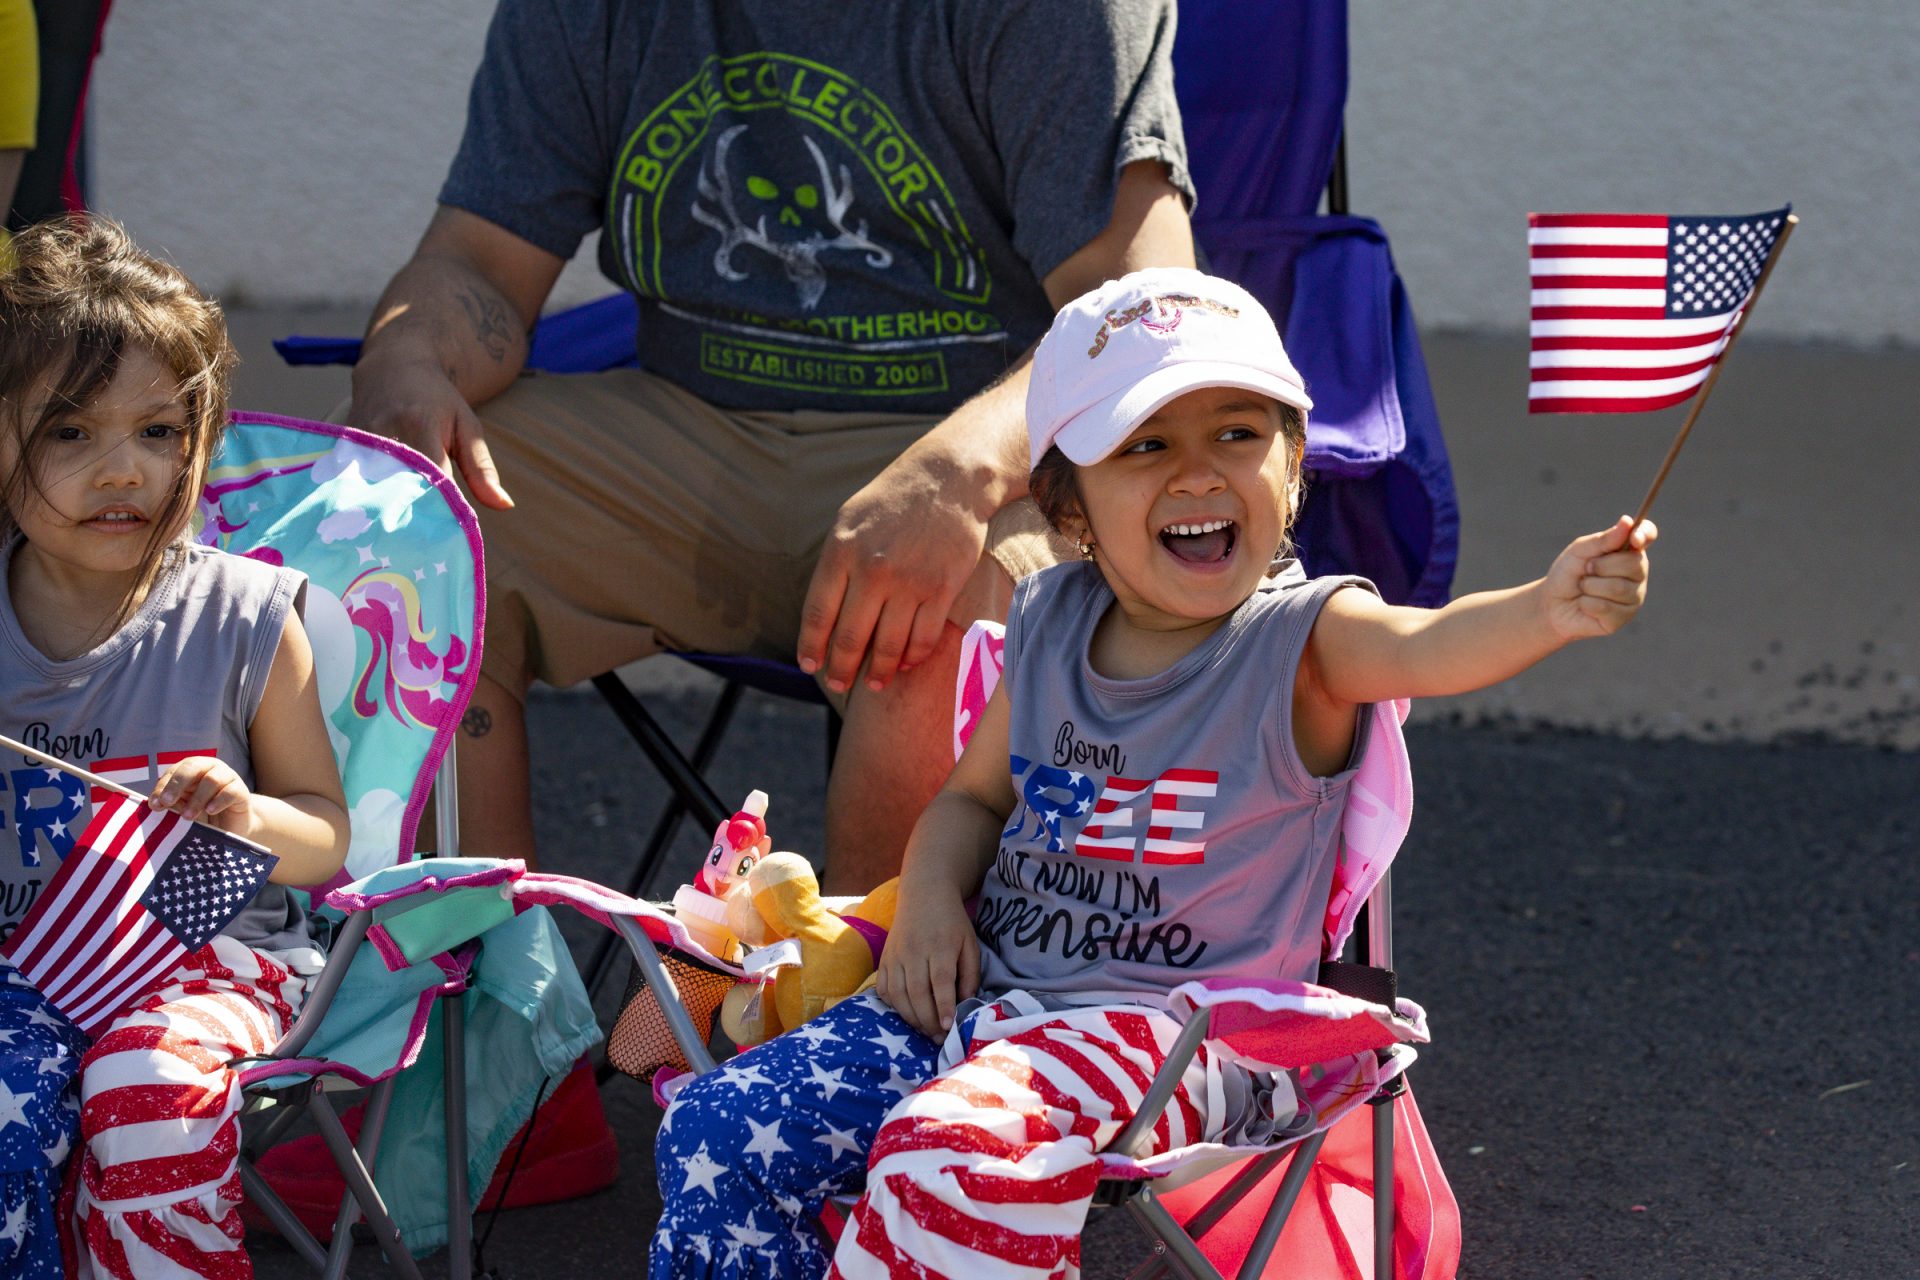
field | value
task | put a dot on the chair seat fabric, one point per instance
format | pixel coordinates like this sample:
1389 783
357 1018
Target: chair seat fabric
528 1021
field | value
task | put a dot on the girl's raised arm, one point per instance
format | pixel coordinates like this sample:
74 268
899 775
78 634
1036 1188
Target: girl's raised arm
1364 650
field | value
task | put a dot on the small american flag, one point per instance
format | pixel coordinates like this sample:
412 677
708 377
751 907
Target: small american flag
1630 310
140 891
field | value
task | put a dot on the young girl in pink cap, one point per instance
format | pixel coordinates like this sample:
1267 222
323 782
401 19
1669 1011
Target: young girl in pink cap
1152 796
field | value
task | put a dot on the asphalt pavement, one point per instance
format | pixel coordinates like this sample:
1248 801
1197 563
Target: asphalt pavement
1669 981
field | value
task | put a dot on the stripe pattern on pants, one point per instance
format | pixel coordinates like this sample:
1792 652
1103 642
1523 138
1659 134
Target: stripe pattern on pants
159 1187
989 1168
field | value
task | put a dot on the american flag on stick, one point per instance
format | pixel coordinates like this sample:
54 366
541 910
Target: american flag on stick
1631 310
140 891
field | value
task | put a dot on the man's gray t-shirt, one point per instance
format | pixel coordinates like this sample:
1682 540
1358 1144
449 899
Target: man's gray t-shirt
182 677
1166 828
821 206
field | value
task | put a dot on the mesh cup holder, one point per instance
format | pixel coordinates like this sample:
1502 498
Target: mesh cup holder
641 1042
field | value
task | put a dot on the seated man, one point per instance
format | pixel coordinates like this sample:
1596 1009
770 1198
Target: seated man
846 225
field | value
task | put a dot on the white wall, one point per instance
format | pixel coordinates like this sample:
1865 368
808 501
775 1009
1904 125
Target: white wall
286 152
1464 115
290 152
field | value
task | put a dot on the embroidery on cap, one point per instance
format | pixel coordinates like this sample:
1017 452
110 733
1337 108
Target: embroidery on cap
1166 310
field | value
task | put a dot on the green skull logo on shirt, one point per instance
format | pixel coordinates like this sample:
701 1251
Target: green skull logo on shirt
794 183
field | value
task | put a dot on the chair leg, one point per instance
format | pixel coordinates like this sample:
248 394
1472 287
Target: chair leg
272 1131
601 963
704 750
1282 1207
373 1123
671 1006
1383 1208
686 783
1182 1254
459 1198
334 1134
1223 1201
1153 1268
291 1229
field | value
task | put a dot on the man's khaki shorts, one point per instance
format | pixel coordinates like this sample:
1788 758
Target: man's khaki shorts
647 519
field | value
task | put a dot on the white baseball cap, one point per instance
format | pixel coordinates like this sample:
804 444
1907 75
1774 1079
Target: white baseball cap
1116 355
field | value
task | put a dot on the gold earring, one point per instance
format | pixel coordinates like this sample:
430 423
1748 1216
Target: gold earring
1086 548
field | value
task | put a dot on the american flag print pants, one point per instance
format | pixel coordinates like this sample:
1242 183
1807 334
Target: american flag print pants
982 1170
159 1188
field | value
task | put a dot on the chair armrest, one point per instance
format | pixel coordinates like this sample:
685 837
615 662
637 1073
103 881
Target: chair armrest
1273 1026
431 905
346 941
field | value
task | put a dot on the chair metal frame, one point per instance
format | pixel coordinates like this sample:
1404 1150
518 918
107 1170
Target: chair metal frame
1178 1249
358 1160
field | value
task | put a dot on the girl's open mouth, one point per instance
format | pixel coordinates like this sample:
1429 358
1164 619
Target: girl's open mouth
118 520
1200 542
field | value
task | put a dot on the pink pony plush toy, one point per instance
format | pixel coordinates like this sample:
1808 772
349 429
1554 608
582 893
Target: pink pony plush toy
703 906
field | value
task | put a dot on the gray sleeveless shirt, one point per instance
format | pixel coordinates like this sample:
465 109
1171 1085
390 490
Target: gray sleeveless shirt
1166 828
182 677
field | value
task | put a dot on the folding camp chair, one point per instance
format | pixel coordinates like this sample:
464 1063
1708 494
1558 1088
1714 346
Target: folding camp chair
395 601
586 339
1363 1195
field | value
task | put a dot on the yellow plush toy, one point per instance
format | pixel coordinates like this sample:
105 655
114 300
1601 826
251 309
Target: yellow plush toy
837 951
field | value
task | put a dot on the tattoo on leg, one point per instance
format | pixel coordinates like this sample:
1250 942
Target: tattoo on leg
491 323
477 723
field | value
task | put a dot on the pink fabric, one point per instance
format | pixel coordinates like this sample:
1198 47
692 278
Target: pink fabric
1379 810
348 899
982 655
1330 1233
1271 1026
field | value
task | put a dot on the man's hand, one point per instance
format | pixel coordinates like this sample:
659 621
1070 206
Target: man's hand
451 332
904 546
414 402
1600 581
897 556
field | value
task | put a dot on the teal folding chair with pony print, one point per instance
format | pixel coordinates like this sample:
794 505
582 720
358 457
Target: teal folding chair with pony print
395 602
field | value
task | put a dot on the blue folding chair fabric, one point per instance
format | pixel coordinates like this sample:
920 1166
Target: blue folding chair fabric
1262 93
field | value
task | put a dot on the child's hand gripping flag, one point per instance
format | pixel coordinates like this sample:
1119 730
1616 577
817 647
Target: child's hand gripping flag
140 891
1631 310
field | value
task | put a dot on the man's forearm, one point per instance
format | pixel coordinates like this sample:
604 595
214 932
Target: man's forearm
441 310
982 445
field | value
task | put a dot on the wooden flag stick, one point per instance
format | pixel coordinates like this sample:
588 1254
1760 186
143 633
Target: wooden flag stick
74 769
1700 400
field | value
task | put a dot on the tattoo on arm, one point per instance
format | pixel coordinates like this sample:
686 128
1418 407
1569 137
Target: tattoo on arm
492 325
477 722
